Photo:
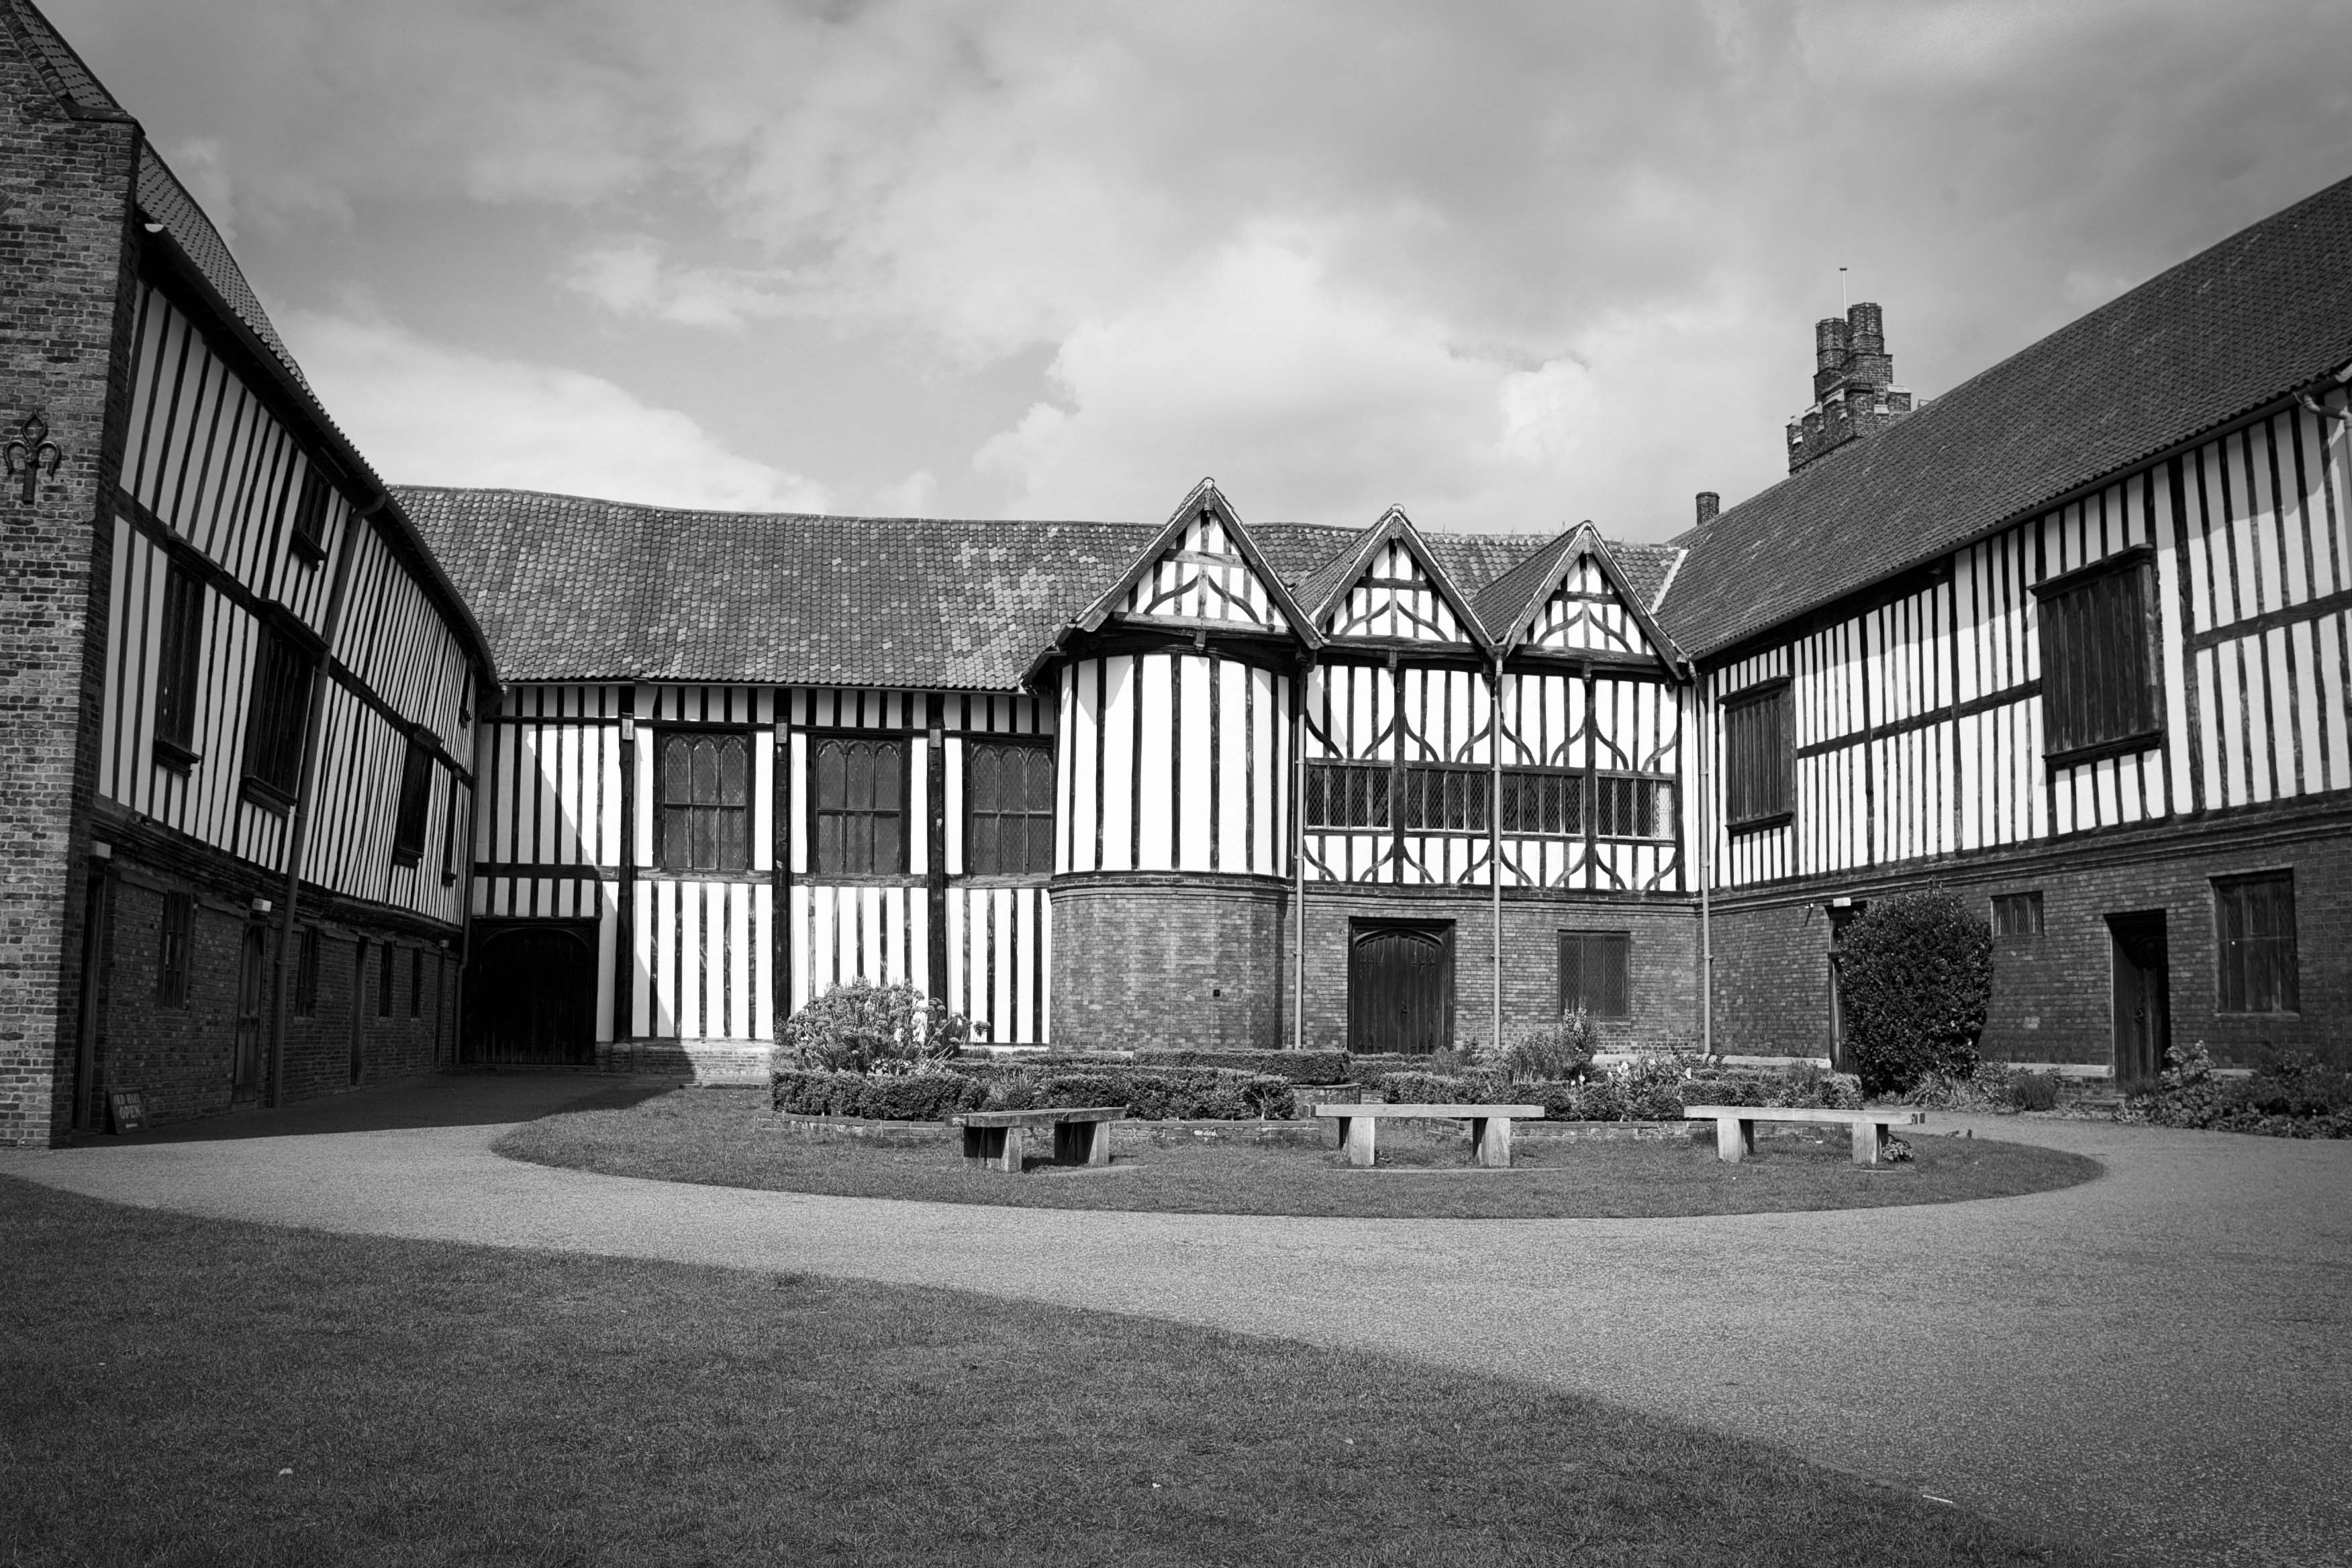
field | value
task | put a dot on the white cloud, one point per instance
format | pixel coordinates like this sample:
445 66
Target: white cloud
635 278
917 495
429 413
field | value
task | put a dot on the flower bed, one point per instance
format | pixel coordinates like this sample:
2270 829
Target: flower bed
937 1093
2296 1096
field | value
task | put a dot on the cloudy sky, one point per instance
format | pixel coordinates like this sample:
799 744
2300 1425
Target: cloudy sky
1510 265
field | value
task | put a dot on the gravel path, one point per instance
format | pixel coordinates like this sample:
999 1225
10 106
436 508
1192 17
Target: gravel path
2159 1362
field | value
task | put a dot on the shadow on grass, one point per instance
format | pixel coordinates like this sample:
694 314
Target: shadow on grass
189 1390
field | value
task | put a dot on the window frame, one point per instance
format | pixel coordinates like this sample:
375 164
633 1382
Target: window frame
2028 899
1619 941
1574 798
309 497
175 942
1782 767
415 799
667 858
817 811
1411 798
285 677
1654 790
1378 795
2231 987
179 669
2070 666
1028 747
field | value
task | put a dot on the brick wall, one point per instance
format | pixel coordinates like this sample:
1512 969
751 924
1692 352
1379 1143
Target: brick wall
65 247
1169 962
2053 996
1208 964
180 1056
1662 955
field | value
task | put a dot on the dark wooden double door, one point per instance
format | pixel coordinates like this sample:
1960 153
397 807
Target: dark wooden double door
2143 992
530 994
1400 987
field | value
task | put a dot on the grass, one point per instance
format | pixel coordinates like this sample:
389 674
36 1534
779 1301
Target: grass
182 1391
728 1138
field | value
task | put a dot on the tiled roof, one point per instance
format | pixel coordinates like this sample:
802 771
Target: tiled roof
166 201
74 82
2261 313
569 588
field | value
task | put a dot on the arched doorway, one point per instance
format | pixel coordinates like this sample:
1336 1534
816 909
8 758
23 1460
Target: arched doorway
530 994
1400 987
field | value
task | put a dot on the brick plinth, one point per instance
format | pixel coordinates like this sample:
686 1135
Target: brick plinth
2053 997
65 251
1662 955
179 1054
1168 960
699 1062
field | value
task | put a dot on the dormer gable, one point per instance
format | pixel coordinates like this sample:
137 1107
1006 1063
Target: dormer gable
1571 598
1388 588
1202 570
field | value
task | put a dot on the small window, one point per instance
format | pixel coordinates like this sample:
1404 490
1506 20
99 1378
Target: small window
2016 916
2099 691
1758 758
1008 807
178 669
1348 795
416 982
172 952
1632 808
306 974
2253 921
384 973
415 797
1539 801
308 533
705 784
1595 974
1444 799
275 718
858 808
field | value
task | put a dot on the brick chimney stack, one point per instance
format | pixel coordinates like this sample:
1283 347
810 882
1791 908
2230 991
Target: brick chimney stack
1855 392
1709 503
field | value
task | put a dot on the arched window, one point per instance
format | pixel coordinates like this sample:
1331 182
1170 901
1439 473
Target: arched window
1009 807
705 803
857 810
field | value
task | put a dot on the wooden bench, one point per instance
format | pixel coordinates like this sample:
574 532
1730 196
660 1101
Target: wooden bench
1490 1126
1735 1127
1000 1139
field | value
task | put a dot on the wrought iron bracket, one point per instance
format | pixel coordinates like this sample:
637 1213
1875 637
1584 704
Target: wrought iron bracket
27 450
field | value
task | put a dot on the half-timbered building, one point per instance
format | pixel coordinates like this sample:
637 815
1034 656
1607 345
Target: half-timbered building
241 725
312 780
2071 639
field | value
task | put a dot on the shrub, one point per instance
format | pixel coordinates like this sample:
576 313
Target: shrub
1439 1088
2035 1090
1916 974
901 1097
1543 1053
1297 1066
2293 1096
866 1029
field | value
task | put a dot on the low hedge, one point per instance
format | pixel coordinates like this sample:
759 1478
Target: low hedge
1297 1066
906 1097
1643 1089
1177 1094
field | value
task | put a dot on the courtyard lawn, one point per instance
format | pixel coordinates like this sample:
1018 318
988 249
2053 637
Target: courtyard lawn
729 1138
182 1391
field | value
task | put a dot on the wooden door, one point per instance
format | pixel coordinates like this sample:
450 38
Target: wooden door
1401 988
530 995
2143 1023
252 988
1840 917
